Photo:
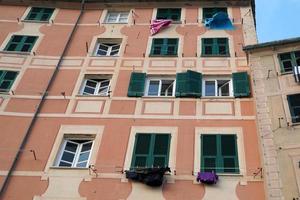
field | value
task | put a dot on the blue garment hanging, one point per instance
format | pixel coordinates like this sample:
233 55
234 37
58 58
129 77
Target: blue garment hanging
219 21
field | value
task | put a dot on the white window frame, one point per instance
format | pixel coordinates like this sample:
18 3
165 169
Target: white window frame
216 79
117 21
98 85
160 79
109 51
77 153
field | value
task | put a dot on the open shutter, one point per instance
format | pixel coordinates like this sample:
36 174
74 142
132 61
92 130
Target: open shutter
161 150
241 84
188 84
137 84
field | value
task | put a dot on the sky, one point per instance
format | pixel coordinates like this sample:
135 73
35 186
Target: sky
277 19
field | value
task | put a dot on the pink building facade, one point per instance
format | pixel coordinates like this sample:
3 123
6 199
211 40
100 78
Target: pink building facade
87 93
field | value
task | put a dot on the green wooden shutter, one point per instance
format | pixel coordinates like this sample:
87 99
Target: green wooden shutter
229 155
171 46
241 84
40 14
137 84
188 84
210 12
141 152
21 43
7 79
169 13
209 153
161 150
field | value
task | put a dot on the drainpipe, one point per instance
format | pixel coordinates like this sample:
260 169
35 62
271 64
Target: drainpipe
40 105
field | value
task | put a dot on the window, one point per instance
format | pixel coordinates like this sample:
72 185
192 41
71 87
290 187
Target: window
40 14
96 85
7 78
21 43
219 153
294 104
74 153
215 47
108 47
160 87
210 12
289 60
164 47
217 87
117 17
151 150
169 13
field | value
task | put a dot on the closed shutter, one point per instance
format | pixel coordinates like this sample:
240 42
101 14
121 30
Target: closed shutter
229 154
210 12
169 13
7 78
241 84
161 150
40 14
137 84
21 43
141 153
164 47
188 84
209 153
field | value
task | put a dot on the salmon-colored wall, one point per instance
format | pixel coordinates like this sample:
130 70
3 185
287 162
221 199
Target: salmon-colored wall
187 108
90 17
11 12
121 89
83 35
34 81
122 107
236 13
52 44
66 16
253 190
238 41
7 28
106 189
247 108
137 40
64 82
12 131
55 106
24 187
191 15
190 33
181 190
22 105
142 15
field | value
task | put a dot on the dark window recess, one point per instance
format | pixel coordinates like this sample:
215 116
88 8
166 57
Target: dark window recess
294 104
169 13
219 153
21 43
289 60
164 47
215 47
7 79
40 14
210 12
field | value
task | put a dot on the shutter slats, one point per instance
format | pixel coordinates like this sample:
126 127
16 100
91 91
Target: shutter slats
241 84
188 84
136 84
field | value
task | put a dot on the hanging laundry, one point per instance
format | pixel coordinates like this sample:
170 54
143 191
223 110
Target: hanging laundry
150 176
157 25
219 21
296 71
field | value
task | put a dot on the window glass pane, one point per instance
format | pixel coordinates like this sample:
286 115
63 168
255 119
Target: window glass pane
209 164
11 47
68 156
91 83
159 162
153 88
83 164
287 65
285 56
17 38
26 48
208 41
228 145
208 50
161 146
10 75
298 61
222 50
210 88
229 165
167 88
223 87
89 90
297 54
86 147
30 39
157 50
4 85
84 156
44 17
103 47
209 145
143 144
71 147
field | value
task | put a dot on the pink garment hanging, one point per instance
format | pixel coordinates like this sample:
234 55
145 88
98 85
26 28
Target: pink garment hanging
158 24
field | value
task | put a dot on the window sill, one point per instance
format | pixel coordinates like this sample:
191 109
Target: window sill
35 21
95 56
82 95
286 73
157 97
217 97
121 23
16 52
295 124
70 168
163 56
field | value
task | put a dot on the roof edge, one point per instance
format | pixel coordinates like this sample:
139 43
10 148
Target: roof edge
272 44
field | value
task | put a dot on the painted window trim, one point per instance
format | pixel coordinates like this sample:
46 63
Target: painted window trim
146 91
98 85
204 79
77 153
118 17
